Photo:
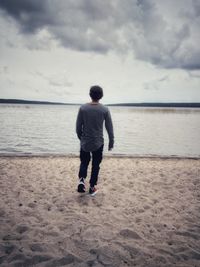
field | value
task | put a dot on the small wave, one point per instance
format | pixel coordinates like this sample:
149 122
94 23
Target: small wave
22 145
10 150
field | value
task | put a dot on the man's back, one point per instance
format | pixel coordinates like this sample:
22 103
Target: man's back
89 126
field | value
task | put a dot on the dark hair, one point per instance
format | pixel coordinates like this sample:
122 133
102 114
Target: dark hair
96 92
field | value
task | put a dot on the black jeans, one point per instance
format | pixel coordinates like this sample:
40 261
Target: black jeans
96 160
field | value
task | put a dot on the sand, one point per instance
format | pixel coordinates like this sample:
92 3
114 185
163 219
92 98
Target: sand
146 213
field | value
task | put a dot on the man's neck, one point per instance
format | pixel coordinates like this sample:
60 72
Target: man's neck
94 102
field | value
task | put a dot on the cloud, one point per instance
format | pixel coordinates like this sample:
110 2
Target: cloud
60 83
26 13
55 80
163 33
156 84
4 70
194 74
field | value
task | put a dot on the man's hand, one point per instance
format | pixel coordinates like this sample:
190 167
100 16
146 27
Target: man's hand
110 145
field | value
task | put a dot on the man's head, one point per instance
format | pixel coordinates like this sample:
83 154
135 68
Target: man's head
96 93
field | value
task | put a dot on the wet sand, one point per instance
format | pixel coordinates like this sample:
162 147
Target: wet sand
146 213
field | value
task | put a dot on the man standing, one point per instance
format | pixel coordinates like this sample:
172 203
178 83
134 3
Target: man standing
89 129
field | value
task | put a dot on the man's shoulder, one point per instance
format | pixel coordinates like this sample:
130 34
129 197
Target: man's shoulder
103 106
103 109
89 106
84 106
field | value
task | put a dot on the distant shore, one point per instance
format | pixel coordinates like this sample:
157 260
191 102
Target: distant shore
21 101
145 104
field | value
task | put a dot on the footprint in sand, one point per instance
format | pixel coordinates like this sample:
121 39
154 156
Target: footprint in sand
88 232
106 256
68 259
188 234
9 237
147 207
32 205
21 229
17 257
127 233
2 213
99 230
5 252
7 248
2 259
133 251
36 247
20 260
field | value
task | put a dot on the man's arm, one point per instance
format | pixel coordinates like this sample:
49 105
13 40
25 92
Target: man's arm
79 124
109 128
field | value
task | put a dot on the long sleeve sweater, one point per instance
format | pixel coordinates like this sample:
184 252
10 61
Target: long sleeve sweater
89 126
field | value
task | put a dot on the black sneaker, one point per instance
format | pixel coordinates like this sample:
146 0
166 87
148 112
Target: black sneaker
81 186
93 191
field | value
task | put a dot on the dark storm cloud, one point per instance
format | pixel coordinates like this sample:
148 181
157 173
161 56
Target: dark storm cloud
29 14
168 37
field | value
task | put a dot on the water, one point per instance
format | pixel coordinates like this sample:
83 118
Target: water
40 129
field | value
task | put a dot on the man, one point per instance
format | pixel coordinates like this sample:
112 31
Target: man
89 129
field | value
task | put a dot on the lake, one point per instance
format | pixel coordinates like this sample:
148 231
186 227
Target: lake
41 129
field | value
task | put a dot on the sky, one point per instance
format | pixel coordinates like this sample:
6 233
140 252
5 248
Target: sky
136 50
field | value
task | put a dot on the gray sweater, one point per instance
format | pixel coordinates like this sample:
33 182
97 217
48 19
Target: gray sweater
89 126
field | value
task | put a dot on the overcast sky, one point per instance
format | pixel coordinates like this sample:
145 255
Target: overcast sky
137 50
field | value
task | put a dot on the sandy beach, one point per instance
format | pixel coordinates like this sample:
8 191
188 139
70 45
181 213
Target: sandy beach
146 213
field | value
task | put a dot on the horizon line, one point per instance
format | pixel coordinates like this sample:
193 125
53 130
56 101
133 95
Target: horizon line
24 101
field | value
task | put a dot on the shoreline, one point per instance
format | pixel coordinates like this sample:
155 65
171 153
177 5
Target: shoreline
76 155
